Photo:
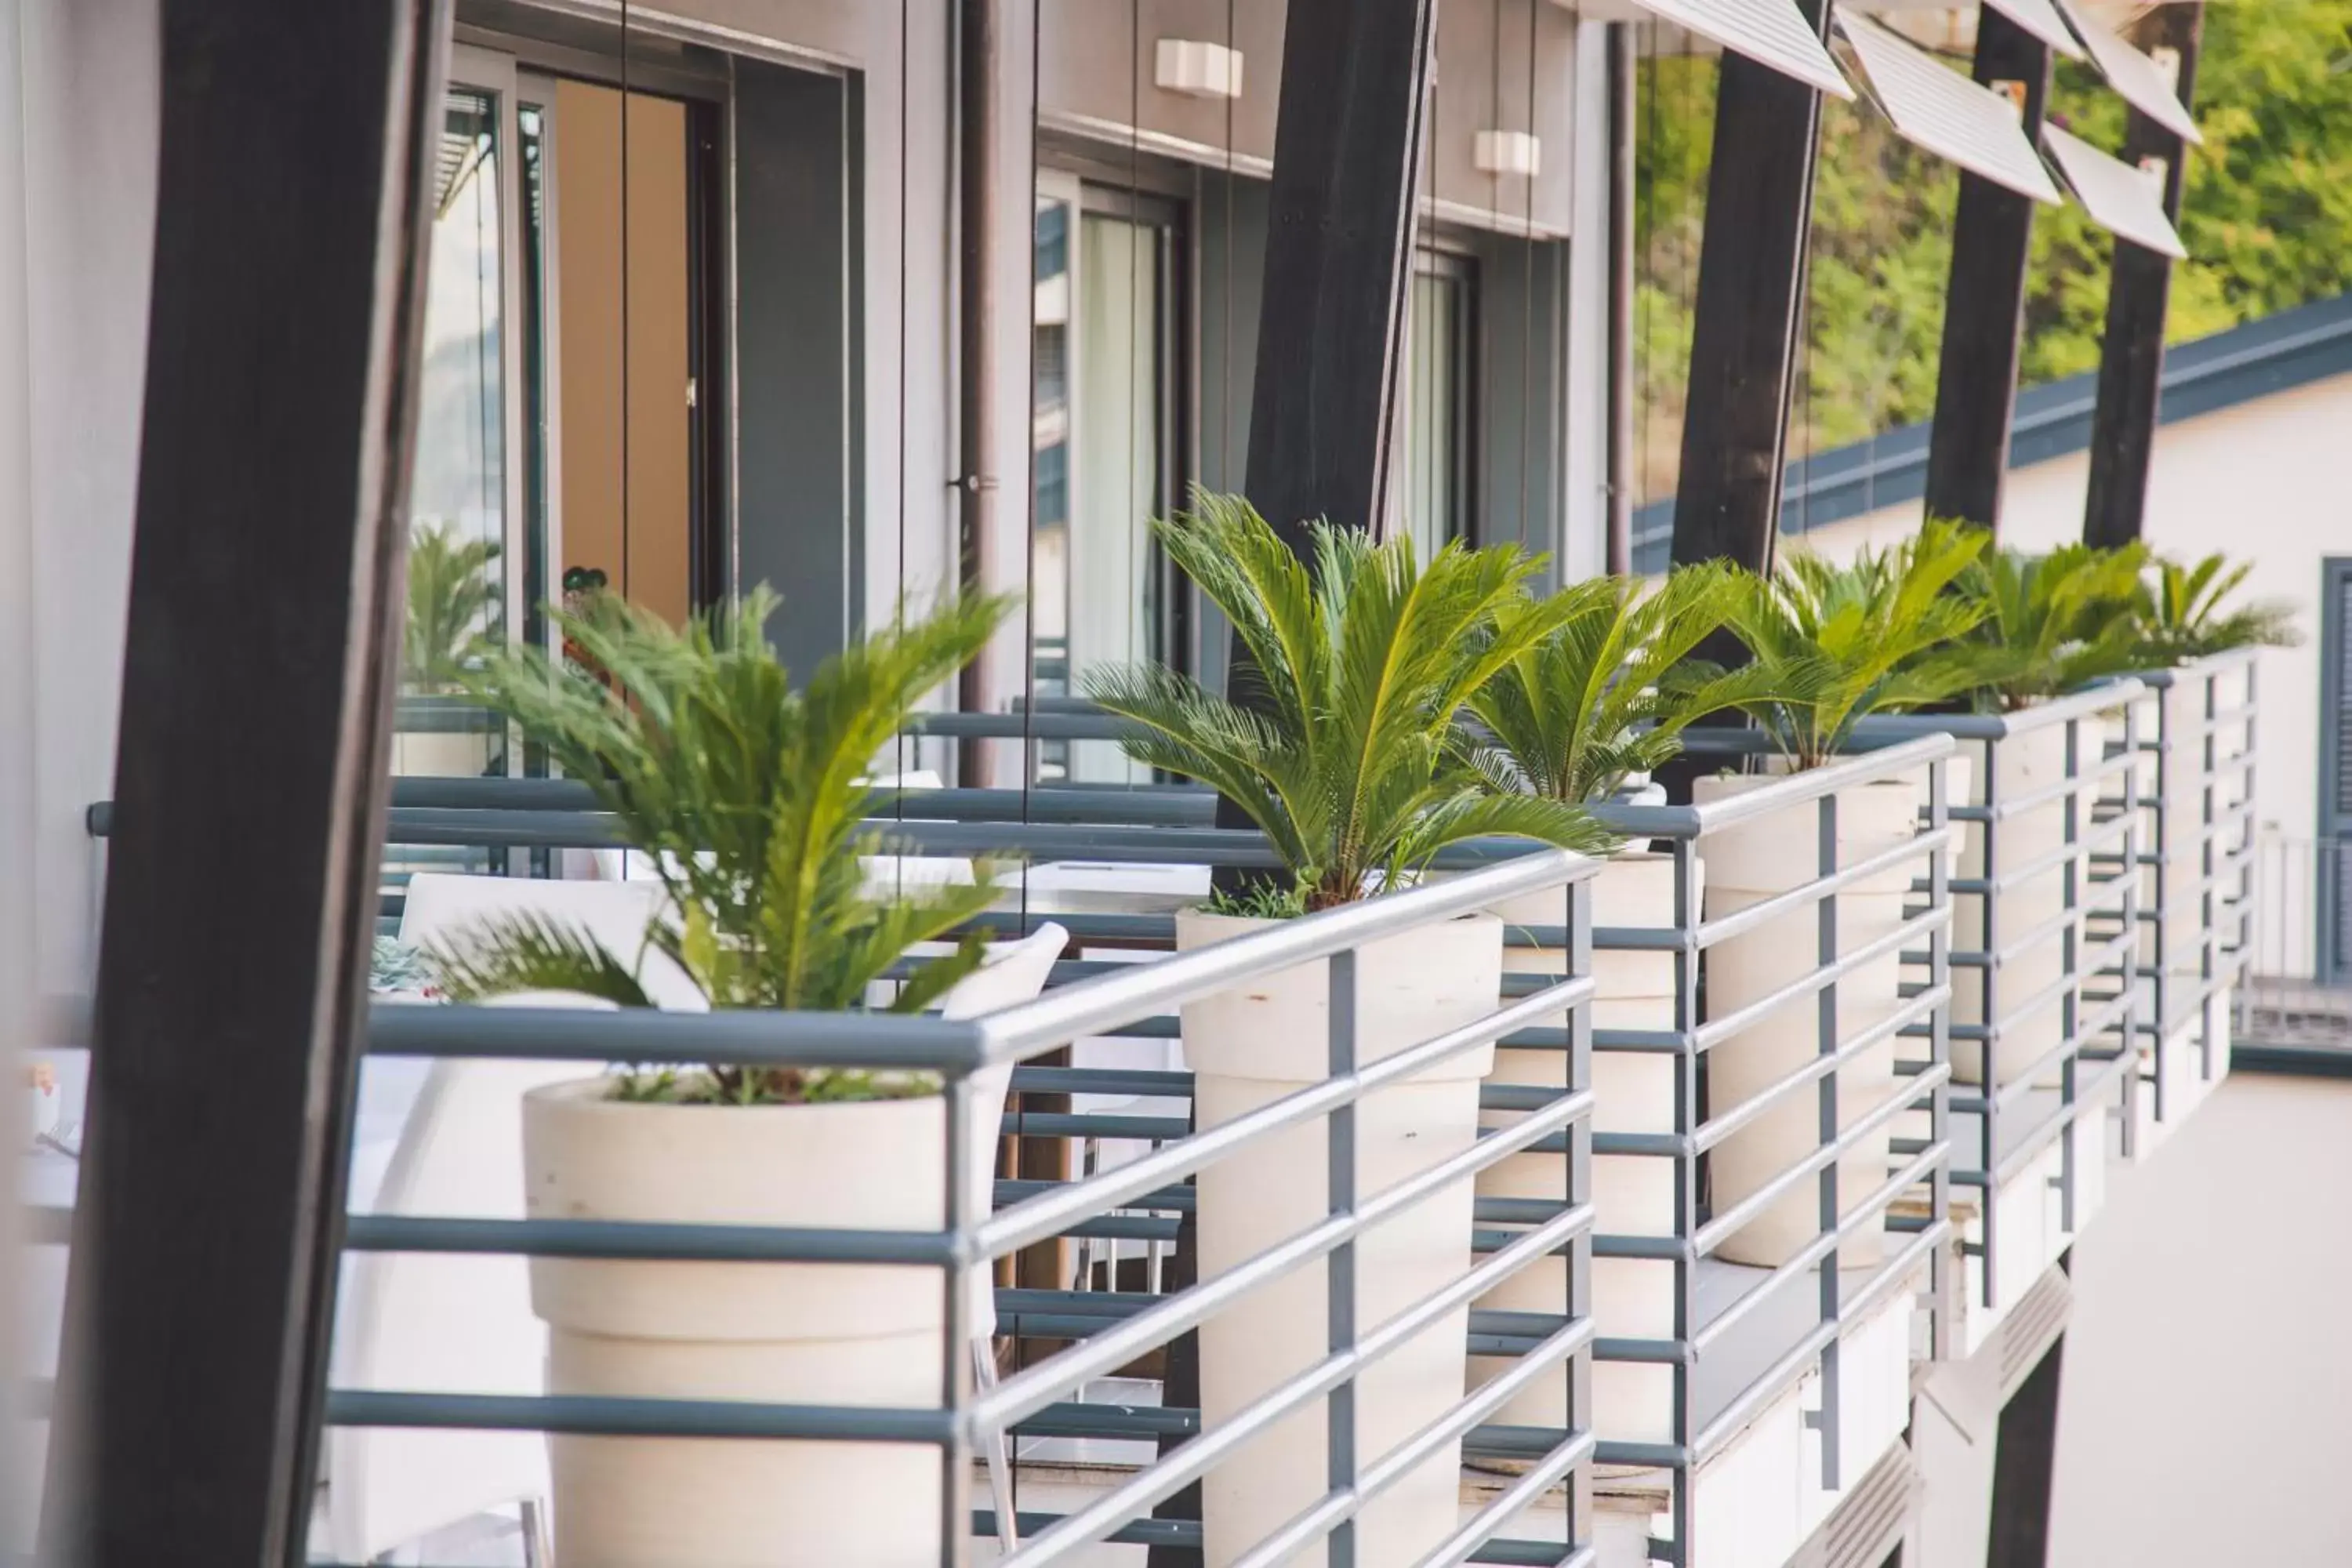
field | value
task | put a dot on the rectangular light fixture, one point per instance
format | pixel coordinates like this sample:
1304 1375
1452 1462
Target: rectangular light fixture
1508 152
1198 68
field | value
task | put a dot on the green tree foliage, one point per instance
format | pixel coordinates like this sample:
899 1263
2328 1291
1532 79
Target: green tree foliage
2266 216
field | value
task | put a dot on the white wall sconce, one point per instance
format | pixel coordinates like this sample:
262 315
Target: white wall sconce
1508 152
1198 68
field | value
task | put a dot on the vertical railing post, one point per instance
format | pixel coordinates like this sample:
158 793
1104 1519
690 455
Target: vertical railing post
1939 1053
1579 1171
2127 954
1989 1050
1826 1039
1339 1267
2160 856
2070 1005
2209 872
958 1350
1684 1416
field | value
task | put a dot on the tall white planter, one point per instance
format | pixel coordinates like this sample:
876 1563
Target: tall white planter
2022 764
1631 1195
1749 863
438 754
1269 1038
787 1333
780 1334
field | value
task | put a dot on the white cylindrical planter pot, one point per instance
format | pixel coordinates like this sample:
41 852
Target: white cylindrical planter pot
840 1334
1254 1045
2022 764
1631 1195
1749 863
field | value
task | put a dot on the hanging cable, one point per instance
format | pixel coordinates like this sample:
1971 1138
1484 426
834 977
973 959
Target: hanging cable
626 552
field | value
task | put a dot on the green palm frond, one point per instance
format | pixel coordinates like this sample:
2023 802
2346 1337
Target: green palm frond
1609 688
453 608
1341 742
2182 618
532 953
2053 622
1832 643
745 792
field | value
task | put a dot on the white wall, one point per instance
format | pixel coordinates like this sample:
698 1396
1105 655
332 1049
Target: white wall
2178 1448
2263 482
87 89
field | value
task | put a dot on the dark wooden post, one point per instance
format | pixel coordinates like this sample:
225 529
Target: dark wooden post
1339 250
2131 357
1355 78
290 233
1751 288
2025 1450
1984 309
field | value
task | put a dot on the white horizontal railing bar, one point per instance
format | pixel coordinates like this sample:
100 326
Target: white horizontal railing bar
1539 1478
1098 1007
1716 1129
1031 1390
1154 1483
1777 1379
1723 928
1802 788
1716 1030
1384 1472
1044 1216
1907 1093
1872 1209
2089 702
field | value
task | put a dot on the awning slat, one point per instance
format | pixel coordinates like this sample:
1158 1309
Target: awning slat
2119 198
1938 109
2041 18
2136 78
1772 33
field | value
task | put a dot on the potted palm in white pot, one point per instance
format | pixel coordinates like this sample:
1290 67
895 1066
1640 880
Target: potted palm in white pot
1830 644
1361 661
746 795
2185 616
2052 624
1604 697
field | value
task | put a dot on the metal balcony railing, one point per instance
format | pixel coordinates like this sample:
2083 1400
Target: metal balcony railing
962 1422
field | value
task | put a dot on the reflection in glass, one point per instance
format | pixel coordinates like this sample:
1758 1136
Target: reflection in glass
1434 503
457 591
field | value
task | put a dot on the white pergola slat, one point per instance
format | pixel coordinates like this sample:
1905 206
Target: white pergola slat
1937 109
2120 199
1772 33
2137 79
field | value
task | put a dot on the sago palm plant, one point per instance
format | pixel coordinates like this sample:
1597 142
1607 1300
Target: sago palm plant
1607 692
1834 643
1344 750
747 798
2181 615
453 607
2052 623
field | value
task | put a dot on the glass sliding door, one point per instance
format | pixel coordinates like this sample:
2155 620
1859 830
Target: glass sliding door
1433 462
464 587
1105 434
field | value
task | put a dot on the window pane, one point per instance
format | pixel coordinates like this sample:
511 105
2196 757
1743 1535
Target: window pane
1049 587
1433 508
456 585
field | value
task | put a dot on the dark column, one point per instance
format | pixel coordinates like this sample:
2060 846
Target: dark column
1751 286
283 332
979 49
2025 1449
1617 555
1355 78
2131 357
1984 308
